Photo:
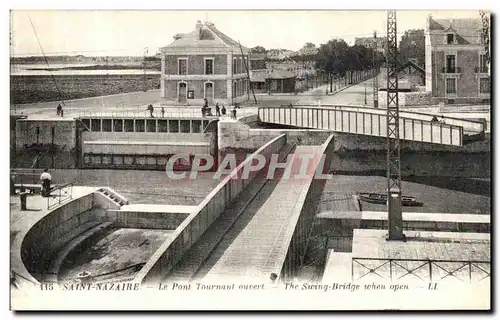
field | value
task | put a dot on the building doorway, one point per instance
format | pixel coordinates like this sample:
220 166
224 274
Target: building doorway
182 92
209 92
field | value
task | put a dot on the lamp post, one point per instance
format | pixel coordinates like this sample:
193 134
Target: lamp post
365 94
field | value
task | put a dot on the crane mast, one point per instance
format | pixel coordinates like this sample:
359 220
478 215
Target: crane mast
393 147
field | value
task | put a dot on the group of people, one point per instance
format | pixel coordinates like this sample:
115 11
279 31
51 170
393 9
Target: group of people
219 110
205 110
151 111
436 120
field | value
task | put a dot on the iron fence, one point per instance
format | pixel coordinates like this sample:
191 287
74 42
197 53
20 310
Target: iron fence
426 270
60 195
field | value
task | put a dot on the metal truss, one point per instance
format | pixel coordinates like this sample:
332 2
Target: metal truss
375 68
393 147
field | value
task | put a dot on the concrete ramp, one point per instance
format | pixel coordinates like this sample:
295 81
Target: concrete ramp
271 238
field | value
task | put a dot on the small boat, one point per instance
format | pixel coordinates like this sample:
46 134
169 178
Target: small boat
379 198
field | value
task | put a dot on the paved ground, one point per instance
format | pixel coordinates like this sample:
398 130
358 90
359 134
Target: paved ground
21 222
421 245
125 102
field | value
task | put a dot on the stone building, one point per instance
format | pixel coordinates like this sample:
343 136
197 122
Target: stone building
412 47
204 64
455 64
273 81
369 42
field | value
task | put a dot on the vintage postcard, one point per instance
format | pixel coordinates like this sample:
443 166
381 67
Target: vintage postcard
250 160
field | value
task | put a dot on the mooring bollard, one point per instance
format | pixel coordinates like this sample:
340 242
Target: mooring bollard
22 196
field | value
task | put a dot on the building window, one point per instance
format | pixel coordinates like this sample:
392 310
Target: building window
234 65
209 66
450 38
484 85
482 63
182 66
450 64
451 85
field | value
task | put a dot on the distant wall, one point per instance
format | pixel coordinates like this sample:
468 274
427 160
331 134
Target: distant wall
143 220
60 132
26 89
197 223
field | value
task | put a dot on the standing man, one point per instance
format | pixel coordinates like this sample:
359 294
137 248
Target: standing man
162 112
59 108
151 109
46 179
217 110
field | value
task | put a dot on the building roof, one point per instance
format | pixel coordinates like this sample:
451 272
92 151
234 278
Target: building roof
468 31
368 42
415 66
205 35
262 75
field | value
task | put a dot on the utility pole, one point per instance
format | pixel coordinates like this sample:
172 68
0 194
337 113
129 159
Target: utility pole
393 147
248 74
365 94
375 67
144 68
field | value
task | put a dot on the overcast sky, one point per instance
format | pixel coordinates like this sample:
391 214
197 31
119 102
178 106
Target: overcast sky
102 33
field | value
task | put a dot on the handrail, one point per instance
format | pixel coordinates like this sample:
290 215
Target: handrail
63 194
425 264
363 108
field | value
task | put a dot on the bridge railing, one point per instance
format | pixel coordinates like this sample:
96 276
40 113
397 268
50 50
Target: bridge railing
189 112
364 123
425 270
467 124
59 195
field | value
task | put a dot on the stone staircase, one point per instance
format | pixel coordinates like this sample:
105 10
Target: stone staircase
113 196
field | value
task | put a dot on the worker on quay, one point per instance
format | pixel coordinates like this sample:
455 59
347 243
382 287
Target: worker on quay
151 110
234 113
217 110
162 112
223 110
59 108
46 179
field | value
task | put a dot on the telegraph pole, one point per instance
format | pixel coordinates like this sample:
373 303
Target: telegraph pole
375 67
393 148
365 94
144 65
